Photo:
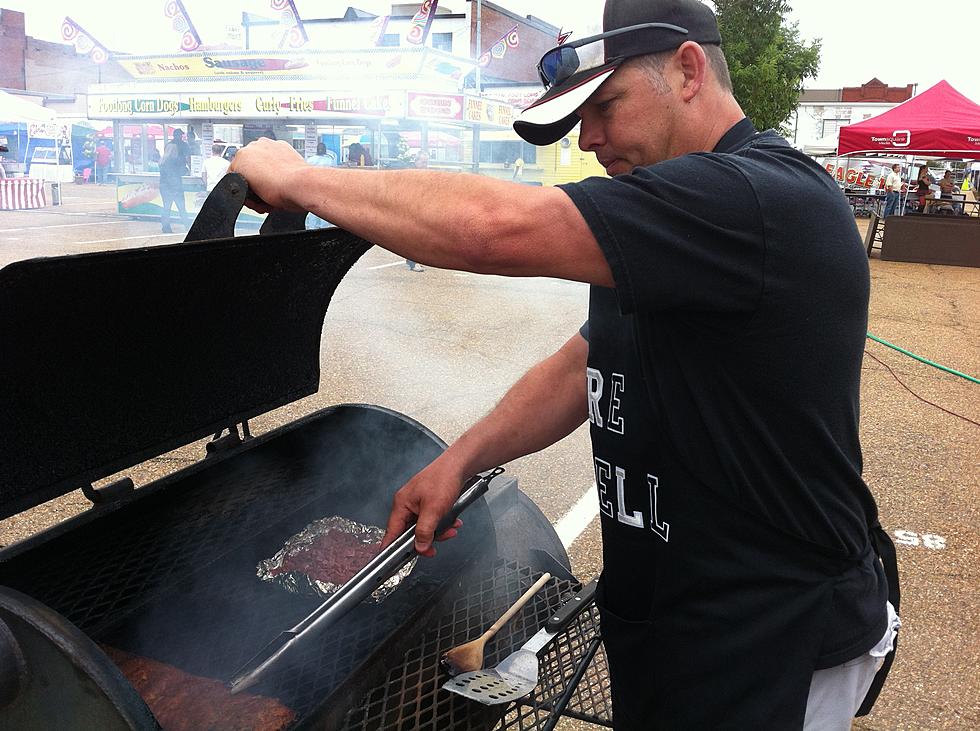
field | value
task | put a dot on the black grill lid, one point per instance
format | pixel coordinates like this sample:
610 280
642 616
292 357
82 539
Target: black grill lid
111 358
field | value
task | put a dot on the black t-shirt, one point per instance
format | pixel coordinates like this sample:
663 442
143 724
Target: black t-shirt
724 373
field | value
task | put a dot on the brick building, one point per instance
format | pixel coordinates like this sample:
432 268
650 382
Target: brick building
822 112
52 73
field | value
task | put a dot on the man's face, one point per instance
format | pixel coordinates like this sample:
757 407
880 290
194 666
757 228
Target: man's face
628 121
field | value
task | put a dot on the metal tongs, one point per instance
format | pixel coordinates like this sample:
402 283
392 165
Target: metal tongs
355 590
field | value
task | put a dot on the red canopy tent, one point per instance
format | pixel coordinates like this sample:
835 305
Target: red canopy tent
938 122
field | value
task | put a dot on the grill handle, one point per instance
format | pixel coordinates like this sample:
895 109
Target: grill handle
354 591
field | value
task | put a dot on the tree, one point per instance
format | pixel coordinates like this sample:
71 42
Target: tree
766 57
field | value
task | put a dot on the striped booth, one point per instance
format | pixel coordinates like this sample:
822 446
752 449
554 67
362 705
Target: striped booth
17 193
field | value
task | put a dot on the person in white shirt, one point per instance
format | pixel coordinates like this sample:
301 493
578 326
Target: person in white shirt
893 188
214 168
324 160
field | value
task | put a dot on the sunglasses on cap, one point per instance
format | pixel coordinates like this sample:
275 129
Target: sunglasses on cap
562 61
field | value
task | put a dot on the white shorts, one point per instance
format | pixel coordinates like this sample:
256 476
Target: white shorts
836 693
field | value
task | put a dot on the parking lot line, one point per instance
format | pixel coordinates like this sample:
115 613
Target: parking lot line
64 225
128 238
576 520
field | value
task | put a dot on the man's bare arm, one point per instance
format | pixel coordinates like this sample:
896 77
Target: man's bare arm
544 406
450 220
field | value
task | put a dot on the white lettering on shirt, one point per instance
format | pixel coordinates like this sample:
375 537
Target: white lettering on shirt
595 393
603 471
661 529
616 423
636 518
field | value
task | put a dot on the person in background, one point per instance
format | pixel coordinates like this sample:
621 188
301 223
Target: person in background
215 168
182 147
946 187
946 184
103 161
924 182
893 188
421 162
173 168
719 372
323 160
518 169
358 156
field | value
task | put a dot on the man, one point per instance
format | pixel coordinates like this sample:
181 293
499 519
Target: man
893 188
103 160
719 370
518 169
173 168
214 168
182 147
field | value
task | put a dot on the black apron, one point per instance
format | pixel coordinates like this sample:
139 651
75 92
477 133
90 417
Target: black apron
711 617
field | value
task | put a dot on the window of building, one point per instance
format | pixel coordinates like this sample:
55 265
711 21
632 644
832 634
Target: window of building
506 151
390 39
831 126
443 42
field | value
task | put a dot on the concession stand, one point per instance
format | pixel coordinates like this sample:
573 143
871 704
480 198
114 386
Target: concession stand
393 101
939 123
37 151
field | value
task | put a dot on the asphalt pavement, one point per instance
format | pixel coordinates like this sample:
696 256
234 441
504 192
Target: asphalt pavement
443 347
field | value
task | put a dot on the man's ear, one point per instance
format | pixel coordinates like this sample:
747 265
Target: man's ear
693 64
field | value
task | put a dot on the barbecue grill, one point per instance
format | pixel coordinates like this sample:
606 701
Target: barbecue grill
112 358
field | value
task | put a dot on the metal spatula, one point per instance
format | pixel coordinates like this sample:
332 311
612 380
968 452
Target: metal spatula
517 674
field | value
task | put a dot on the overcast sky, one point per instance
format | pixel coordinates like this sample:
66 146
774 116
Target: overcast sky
900 42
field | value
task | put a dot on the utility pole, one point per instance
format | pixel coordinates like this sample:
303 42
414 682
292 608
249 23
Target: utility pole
479 87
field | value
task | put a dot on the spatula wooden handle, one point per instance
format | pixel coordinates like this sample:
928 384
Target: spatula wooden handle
516 606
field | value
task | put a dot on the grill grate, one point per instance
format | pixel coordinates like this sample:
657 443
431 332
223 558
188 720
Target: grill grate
411 696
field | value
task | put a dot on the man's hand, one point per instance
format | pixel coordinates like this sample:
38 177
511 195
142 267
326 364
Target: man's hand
268 166
428 496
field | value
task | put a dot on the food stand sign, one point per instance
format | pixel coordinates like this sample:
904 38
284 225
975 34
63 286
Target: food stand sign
271 104
485 111
435 106
272 64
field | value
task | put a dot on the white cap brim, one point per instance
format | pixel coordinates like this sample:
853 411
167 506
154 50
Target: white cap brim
554 114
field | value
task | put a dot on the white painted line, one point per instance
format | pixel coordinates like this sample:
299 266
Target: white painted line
64 225
576 520
128 238
385 266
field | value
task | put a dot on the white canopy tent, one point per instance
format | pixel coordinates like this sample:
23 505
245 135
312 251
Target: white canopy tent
20 111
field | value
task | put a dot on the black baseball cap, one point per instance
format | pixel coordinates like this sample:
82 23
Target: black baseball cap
573 71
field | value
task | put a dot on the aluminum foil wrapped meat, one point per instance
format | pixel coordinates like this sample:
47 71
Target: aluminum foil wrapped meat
324 555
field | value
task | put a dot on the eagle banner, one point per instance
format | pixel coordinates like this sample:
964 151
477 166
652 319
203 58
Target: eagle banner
498 50
294 32
83 41
422 22
180 21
